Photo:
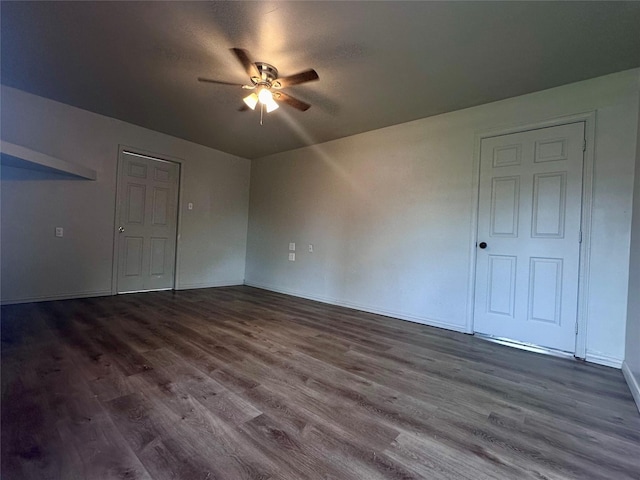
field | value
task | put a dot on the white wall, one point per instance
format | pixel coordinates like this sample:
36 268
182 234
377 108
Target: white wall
631 367
389 212
36 265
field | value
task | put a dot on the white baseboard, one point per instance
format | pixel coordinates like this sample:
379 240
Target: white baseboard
62 296
363 308
602 359
222 283
633 382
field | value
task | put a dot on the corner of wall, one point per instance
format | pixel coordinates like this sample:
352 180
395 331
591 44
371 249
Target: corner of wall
631 364
633 382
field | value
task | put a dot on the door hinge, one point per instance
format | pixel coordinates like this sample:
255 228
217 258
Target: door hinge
584 145
580 236
576 328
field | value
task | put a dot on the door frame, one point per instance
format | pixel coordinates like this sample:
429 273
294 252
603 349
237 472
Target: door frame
116 251
589 119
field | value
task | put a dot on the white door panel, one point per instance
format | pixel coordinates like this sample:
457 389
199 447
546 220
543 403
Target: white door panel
147 222
529 217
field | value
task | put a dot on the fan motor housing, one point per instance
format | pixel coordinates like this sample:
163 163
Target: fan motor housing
268 73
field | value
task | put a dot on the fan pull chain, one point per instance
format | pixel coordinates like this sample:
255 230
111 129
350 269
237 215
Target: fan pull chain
261 110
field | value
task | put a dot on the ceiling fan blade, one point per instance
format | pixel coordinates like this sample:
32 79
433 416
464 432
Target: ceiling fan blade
292 101
249 66
302 77
220 82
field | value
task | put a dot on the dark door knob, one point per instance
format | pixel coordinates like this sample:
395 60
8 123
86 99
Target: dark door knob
482 245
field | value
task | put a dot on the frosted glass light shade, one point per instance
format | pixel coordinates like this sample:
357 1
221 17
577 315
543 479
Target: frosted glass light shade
251 101
271 105
265 96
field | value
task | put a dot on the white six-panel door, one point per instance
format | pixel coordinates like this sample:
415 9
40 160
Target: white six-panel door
147 223
529 236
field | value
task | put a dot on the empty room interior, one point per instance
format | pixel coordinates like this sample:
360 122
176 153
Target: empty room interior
320 240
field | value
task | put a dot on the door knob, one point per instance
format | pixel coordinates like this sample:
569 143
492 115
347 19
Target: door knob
482 245
121 229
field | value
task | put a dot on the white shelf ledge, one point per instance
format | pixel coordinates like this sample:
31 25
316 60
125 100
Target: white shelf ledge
22 157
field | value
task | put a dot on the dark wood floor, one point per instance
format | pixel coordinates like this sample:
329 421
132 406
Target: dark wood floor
240 383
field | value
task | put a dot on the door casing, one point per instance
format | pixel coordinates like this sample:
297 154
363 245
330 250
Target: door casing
115 253
589 119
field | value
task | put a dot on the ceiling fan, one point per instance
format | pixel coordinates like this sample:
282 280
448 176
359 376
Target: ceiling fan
267 85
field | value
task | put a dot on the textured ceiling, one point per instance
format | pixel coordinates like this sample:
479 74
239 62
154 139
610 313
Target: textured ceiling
380 63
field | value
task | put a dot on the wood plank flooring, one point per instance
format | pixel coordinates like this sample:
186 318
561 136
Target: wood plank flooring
240 383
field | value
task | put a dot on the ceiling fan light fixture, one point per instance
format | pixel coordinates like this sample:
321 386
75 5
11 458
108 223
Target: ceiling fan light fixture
266 98
251 101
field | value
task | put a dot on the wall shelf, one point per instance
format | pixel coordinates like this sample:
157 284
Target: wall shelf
22 157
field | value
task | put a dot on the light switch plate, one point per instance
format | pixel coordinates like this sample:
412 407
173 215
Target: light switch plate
190 206
292 247
292 257
310 248
59 232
